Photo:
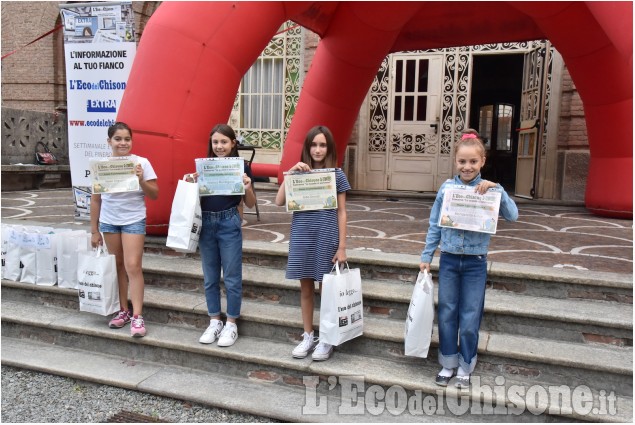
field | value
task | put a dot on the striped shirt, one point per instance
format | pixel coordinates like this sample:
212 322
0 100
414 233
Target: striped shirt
314 239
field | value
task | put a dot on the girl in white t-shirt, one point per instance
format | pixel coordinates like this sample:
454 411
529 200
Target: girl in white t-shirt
121 217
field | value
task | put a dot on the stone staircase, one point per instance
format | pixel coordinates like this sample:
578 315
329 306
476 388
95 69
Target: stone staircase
553 348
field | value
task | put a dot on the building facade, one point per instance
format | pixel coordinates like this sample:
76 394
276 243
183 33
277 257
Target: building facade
518 95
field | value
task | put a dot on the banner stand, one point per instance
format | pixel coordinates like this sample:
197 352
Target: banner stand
99 48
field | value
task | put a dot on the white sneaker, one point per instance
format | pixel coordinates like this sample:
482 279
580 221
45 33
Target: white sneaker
229 335
212 332
322 351
303 348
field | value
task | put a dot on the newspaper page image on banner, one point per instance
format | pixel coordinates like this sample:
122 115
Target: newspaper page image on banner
220 176
313 190
99 49
467 210
114 175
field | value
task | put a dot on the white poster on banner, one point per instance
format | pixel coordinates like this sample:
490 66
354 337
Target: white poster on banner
100 46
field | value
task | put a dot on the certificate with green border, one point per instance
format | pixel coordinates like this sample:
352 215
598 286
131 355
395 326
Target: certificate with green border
467 210
114 175
220 176
313 190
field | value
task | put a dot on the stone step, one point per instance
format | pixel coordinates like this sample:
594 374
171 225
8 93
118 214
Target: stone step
257 359
518 279
513 278
536 360
573 320
285 403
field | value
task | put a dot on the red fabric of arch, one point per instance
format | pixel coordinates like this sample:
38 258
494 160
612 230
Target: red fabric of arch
193 55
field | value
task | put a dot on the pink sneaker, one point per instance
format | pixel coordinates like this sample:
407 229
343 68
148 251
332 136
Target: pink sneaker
137 328
120 319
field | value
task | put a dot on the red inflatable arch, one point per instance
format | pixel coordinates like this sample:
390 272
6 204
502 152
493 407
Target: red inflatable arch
193 55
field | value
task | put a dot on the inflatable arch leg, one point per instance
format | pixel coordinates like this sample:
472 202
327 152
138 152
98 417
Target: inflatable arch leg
184 80
600 63
193 55
342 72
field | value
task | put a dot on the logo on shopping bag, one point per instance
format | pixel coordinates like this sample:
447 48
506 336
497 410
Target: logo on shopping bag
355 316
94 296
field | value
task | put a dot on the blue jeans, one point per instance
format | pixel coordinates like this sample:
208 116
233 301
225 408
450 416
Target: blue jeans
462 281
221 245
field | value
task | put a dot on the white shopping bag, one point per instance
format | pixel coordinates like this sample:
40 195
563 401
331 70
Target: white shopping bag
46 257
12 269
97 282
6 231
185 218
341 307
28 245
68 248
418 333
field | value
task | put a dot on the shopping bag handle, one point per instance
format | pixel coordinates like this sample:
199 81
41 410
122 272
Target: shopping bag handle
336 267
427 278
425 274
100 250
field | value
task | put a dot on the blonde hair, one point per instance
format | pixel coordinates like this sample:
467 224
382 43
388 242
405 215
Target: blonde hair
470 137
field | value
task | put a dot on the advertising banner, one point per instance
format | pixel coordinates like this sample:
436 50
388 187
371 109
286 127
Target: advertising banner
313 190
465 209
99 45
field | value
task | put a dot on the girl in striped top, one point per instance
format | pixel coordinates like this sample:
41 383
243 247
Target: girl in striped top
318 237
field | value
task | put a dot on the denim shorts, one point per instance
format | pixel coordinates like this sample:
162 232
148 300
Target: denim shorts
138 228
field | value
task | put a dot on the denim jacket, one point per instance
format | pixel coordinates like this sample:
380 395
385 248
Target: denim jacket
457 241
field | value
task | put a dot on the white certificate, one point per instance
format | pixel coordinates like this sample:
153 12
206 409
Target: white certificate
114 175
313 190
467 210
220 176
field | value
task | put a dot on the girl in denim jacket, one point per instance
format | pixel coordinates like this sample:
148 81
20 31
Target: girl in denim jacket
462 267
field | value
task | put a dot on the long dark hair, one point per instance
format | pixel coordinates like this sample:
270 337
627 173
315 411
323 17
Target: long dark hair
226 131
330 161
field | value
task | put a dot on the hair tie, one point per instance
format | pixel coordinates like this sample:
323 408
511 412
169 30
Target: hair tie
469 136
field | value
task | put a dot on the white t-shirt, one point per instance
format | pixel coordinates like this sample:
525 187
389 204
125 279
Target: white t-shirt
128 207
